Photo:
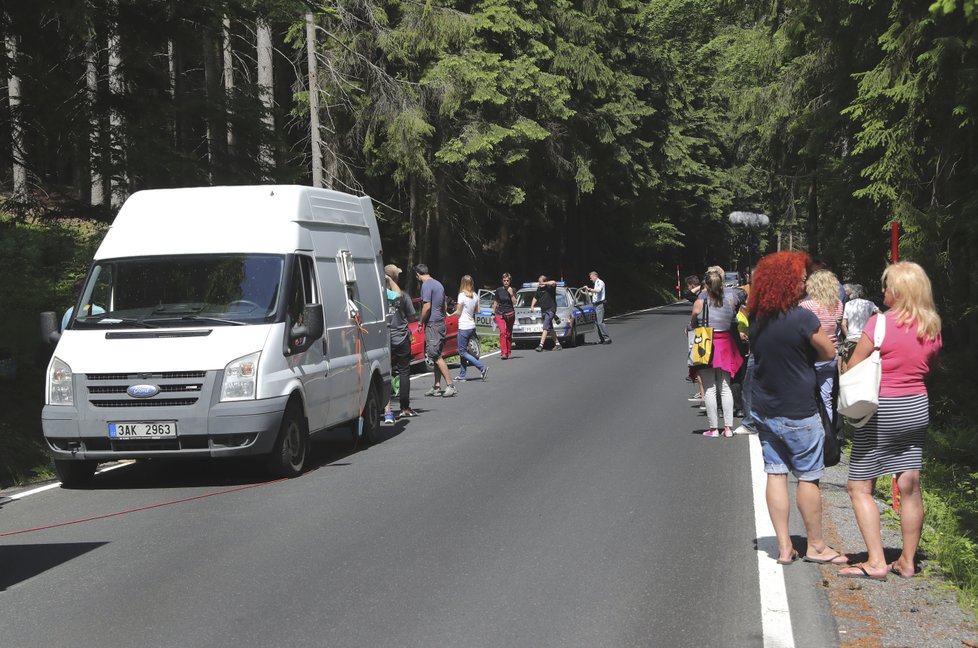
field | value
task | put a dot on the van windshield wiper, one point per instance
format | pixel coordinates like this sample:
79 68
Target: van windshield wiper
216 320
109 319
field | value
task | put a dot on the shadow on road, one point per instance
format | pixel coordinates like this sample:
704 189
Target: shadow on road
326 448
21 562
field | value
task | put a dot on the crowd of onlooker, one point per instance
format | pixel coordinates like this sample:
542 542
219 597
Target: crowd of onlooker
780 342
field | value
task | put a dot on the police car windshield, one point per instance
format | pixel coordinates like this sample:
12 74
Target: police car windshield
192 290
525 297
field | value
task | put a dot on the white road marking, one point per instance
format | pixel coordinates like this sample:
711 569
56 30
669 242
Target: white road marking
775 616
47 487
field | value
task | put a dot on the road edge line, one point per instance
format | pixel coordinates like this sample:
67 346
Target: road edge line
775 615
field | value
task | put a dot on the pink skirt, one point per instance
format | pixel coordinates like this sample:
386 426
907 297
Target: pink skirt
726 353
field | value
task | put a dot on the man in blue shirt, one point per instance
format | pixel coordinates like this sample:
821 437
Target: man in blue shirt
432 322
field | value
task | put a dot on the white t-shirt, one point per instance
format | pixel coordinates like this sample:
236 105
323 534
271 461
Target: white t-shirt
466 321
598 294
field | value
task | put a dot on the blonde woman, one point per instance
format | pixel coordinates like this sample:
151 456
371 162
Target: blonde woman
468 304
717 307
822 288
892 441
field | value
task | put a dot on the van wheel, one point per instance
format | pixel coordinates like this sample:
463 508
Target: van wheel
288 457
371 416
75 474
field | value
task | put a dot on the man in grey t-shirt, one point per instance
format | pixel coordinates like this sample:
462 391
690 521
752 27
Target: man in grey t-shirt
433 322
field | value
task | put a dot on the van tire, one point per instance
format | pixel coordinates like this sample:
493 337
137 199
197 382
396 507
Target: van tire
288 456
371 416
75 474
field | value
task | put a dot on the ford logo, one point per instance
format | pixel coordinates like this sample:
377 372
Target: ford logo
143 391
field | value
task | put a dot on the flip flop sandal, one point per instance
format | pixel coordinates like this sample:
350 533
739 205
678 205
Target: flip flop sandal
864 575
827 561
407 413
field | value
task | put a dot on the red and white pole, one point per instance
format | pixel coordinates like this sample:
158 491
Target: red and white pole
894 242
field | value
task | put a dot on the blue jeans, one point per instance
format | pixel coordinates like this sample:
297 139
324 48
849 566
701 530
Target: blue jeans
795 445
825 378
466 358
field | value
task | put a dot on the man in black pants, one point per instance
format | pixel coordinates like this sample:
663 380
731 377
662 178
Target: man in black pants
400 342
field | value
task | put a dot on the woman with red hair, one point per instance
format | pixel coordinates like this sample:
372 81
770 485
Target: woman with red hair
787 341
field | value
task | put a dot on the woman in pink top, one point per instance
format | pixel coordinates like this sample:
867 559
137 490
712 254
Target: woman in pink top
892 441
822 287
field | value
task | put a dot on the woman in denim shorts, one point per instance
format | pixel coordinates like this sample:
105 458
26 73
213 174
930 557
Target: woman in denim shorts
787 341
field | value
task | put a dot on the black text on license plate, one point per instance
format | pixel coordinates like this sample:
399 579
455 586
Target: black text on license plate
149 430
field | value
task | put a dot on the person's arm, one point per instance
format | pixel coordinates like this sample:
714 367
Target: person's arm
697 309
533 302
458 307
845 327
824 349
864 348
392 285
425 314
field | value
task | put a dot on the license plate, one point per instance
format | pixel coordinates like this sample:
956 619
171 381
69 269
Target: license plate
530 329
154 430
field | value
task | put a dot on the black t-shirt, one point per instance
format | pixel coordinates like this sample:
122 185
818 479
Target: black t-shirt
784 364
547 298
504 302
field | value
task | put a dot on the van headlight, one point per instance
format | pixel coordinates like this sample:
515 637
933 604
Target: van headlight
61 389
240 378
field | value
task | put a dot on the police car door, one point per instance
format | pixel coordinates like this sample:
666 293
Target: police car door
584 311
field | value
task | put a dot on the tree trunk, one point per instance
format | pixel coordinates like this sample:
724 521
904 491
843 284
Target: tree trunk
97 196
212 85
16 124
412 227
119 178
814 247
317 160
228 81
266 84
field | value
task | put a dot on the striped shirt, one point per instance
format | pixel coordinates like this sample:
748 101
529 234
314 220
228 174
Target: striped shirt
828 319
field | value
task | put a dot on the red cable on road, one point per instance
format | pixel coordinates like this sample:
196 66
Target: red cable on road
141 508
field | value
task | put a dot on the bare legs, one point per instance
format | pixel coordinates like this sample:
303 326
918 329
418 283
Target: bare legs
809 502
868 518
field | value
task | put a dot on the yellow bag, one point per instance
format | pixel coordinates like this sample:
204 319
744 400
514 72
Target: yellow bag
702 346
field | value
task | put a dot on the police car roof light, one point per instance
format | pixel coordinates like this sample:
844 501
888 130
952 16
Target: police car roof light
533 284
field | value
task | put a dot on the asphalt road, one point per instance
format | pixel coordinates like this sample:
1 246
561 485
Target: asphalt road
568 501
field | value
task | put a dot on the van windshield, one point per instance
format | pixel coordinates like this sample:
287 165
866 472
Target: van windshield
198 290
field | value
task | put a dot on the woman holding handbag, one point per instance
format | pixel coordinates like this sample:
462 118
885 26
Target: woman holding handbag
892 441
717 308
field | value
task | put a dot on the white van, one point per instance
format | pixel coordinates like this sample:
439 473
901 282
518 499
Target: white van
219 322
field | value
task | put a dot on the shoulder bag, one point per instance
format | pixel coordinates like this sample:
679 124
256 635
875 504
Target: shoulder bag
859 387
703 339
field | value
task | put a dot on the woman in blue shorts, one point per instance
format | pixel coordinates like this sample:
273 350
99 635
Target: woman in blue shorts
787 341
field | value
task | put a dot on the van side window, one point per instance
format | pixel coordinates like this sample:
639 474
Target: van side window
303 291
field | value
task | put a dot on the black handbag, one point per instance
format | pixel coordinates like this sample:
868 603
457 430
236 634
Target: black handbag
834 433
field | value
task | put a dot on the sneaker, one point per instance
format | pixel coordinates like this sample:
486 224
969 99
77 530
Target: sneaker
712 433
388 418
434 391
485 373
742 429
539 348
407 413
557 347
460 378
703 407
607 341
738 413
449 392
727 432
695 398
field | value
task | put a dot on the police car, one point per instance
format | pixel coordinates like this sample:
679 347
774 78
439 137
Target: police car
574 310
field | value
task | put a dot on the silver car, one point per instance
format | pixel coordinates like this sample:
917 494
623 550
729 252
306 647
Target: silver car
575 313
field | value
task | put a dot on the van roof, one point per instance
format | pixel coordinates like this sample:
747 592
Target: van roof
250 219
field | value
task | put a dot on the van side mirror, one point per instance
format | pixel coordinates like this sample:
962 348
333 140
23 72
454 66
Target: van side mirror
310 330
50 329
